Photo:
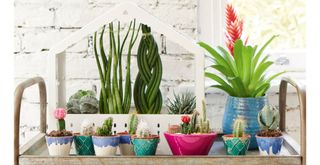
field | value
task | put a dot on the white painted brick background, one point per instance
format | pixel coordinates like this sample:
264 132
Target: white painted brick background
39 24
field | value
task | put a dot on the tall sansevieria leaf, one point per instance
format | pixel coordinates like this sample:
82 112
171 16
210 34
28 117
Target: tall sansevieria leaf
245 74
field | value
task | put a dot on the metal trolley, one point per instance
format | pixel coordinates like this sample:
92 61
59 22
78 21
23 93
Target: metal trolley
35 151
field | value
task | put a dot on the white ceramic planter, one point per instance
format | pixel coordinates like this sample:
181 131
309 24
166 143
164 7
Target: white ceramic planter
59 146
125 145
105 145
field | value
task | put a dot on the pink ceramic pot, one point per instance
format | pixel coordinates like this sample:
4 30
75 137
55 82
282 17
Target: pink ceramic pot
193 144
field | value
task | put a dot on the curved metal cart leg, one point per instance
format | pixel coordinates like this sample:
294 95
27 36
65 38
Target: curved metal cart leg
301 91
17 107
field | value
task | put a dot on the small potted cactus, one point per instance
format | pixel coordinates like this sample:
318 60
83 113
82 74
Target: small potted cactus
144 143
192 137
105 144
59 141
270 138
83 140
126 147
238 142
83 102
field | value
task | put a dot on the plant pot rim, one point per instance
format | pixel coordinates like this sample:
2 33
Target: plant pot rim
257 136
153 136
78 134
96 136
261 97
58 136
123 133
191 135
231 136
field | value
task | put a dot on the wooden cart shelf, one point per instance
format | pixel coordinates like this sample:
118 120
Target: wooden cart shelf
35 151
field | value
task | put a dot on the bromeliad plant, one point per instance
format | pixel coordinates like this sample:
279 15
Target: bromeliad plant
243 75
114 98
269 139
147 95
184 103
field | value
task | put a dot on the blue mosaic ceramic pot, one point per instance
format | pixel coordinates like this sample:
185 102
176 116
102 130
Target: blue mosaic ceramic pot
84 145
105 145
145 146
247 108
269 145
59 146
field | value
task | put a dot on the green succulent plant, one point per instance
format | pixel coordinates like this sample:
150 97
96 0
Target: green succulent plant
238 128
106 129
269 118
183 103
83 101
244 74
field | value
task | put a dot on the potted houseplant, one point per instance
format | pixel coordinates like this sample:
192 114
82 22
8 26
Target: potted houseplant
105 144
126 147
83 102
193 137
144 143
59 142
183 103
238 142
242 76
270 138
83 140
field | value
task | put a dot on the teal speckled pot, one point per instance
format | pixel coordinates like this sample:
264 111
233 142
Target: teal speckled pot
145 146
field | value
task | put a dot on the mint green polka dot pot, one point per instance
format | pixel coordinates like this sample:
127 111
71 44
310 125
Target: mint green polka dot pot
145 146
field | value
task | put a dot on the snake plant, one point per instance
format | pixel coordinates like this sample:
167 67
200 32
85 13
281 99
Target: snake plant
244 74
114 98
147 95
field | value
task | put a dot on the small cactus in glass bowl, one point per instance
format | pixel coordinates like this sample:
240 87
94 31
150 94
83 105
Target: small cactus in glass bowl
104 142
83 140
270 138
144 142
193 136
59 141
238 142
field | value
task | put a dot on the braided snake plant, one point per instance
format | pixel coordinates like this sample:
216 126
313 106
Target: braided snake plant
114 98
147 95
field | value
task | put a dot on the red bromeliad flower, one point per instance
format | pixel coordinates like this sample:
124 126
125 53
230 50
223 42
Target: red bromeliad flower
185 119
234 27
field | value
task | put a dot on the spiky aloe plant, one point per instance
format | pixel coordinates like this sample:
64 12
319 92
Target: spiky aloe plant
238 128
183 103
245 74
269 118
114 98
133 123
147 95
106 129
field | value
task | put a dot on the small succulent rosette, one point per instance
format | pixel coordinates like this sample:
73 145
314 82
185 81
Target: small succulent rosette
105 145
59 142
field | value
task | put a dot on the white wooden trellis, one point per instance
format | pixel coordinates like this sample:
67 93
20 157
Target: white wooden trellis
125 12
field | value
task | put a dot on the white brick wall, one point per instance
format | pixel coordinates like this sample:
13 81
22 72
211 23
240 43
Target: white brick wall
39 24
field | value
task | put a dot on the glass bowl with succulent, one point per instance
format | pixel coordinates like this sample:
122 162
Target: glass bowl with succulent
243 73
270 138
59 141
238 142
126 147
192 137
83 140
144 143
104 142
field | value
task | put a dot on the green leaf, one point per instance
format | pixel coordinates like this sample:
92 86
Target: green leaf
237 54
226 87
229 91
257 56
229 60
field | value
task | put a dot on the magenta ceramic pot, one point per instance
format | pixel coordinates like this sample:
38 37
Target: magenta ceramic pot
192 144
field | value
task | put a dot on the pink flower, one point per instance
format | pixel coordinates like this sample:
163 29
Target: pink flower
185 119
60 113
